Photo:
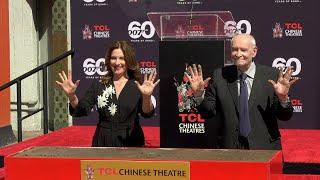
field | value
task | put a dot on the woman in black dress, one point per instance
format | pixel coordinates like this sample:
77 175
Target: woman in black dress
119 97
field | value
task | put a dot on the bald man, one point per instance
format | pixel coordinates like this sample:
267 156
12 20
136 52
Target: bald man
247 97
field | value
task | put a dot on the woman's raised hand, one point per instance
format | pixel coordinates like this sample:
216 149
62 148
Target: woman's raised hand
66 84
148 85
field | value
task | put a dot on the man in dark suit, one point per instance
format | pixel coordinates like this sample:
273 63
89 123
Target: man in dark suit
247 97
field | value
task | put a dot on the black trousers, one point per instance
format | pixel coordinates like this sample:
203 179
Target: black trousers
243 142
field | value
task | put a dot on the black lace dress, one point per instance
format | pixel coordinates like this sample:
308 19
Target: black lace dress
119 124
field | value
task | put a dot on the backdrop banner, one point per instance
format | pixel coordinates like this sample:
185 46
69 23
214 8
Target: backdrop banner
286 32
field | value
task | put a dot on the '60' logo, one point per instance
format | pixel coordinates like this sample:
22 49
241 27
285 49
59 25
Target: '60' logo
136 30
90 67
292 62
231 27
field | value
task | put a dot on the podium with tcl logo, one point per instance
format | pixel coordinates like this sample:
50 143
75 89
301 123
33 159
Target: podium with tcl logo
189 38
73 163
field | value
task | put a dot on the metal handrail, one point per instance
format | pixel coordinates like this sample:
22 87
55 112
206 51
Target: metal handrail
18 80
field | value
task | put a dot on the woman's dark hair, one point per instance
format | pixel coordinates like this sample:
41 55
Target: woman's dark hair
133 70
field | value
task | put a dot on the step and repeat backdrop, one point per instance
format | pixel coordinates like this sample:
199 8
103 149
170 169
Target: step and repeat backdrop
286 31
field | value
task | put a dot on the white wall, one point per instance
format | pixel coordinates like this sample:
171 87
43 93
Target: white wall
23 58
27 51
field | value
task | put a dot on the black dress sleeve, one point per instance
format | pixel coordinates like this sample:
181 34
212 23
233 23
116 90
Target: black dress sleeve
86 103
143 114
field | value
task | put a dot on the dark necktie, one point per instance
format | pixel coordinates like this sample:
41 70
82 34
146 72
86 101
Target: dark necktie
245 126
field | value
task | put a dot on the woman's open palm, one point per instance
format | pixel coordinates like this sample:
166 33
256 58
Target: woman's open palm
66 83
148 85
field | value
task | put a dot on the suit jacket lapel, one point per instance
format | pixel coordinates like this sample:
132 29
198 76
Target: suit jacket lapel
233 89
231 75
256 86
